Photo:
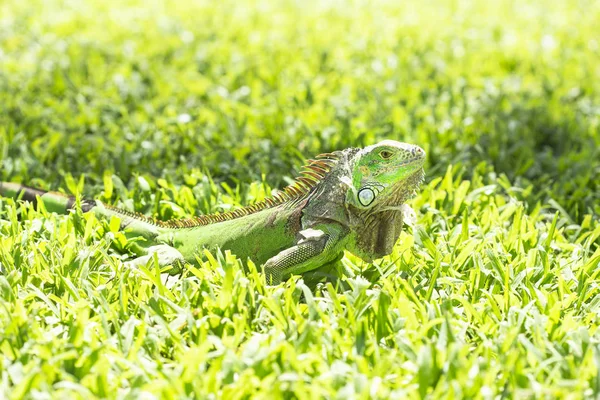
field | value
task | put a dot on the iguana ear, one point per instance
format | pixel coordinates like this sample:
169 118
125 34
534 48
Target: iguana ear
362 190
364 196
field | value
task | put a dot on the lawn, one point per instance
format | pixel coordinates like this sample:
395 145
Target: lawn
181 108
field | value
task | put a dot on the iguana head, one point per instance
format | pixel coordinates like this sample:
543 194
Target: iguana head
384 175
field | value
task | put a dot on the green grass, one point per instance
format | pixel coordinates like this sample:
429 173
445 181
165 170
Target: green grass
182 108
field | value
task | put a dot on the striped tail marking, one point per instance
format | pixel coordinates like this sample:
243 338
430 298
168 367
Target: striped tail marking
54 202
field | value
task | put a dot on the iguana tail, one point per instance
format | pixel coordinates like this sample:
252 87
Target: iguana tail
137 225
53 201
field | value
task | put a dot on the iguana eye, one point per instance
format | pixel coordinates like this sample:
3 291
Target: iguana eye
385 154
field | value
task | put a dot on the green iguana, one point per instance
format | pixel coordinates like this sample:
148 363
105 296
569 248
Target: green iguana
350 199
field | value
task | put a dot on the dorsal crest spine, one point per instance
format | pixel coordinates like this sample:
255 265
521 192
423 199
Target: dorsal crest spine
310 175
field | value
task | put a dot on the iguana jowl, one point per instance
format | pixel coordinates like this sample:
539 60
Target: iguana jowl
350 199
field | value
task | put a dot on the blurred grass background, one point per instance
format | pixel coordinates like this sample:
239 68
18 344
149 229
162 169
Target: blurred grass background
186 107
241 89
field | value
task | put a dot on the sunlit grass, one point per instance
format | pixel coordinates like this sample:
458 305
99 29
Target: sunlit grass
195 107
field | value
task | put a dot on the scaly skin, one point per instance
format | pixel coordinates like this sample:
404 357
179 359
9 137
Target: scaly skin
351 199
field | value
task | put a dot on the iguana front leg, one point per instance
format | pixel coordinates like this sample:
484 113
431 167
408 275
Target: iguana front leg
315 248
330 272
